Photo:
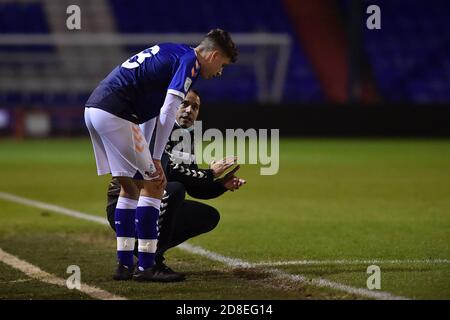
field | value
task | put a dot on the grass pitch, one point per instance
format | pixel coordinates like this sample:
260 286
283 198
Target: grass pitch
333 199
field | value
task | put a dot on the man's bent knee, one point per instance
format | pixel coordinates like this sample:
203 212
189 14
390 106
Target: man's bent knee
215 218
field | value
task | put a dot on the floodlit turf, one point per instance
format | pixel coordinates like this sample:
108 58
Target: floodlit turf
331 200
15 285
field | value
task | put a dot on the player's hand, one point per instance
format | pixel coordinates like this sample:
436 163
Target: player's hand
231 182
159 176
220 166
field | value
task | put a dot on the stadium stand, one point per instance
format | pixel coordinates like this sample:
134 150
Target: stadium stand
409 56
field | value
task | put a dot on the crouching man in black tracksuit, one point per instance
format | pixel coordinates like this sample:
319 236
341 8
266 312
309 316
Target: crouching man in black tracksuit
182 219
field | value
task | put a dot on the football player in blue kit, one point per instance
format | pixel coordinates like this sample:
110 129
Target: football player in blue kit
147 88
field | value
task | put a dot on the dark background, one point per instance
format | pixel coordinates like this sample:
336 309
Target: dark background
341 78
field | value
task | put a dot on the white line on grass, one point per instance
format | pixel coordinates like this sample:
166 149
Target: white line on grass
51 207
348 262
36 273
297 278
232 262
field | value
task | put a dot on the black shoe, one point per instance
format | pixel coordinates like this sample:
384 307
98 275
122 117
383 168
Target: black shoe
163 270
158 274
123 273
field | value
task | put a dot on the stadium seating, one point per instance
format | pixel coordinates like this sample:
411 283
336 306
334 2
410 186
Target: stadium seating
22 18
409 56
267 16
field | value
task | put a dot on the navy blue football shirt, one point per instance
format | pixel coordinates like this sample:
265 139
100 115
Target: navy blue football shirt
136 89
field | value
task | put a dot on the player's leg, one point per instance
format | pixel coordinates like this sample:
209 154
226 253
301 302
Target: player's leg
147 214
124 220
148 206
170 204
111 202
129 157
123 144
101 159
114 187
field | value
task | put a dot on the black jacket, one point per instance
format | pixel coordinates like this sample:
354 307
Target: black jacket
199 183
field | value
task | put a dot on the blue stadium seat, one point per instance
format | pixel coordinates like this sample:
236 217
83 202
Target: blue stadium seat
135 16
410 50
22 18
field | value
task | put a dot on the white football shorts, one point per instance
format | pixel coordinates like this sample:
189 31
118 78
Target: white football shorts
119 146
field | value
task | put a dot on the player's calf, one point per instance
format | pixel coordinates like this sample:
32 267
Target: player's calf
147 214
124 219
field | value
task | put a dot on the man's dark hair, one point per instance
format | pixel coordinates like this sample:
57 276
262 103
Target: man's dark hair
196 92
220 39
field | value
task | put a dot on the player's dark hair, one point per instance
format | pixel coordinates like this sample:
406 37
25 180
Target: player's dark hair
220 39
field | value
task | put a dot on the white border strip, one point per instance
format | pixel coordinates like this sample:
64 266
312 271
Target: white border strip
232 262
36 273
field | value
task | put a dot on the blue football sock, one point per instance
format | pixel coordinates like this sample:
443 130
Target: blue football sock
147 214
125 230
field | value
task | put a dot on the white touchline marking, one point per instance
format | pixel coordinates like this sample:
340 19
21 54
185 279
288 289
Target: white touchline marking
237 263
51 207
232 262
36 273
18 281
348 262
